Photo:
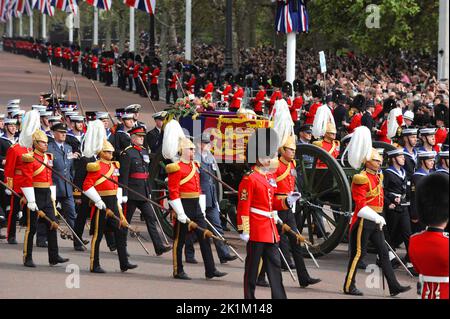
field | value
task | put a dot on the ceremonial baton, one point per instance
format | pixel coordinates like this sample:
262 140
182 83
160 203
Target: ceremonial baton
398 258
224 240
144 198
103 102
146 92
287 265
78 95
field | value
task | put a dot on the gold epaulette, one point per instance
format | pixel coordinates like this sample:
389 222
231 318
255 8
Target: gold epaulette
294 163
317 143
337 142
172 168
117 164
197 163
50 156
127 148
27 157
93 167
360 179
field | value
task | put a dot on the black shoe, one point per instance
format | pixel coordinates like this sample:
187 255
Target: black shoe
182 276
191 261
354 292
165 249
12 241
85 241
400 290
98 270
262 283
128 266
59 260
112 248
42 245
29 263
79 248
228 258
311 281
216 273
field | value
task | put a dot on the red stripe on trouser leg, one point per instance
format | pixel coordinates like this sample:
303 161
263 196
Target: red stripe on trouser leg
11 211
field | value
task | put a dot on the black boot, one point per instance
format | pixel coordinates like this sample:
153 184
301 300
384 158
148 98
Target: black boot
29 263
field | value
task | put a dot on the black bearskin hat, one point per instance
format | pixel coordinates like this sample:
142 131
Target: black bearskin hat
432 199
299 86
287 88
317 91
262 143
228 77
359 102
388 105
276 81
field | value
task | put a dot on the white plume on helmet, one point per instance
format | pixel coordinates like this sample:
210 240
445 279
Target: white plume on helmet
93 139
392 124
359 148
322 118
282 121
30 124
173 133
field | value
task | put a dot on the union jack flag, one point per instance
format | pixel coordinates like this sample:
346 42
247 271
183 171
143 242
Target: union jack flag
148 6
3 10
101 4
29 5
291 16
69 6
45 7
12 8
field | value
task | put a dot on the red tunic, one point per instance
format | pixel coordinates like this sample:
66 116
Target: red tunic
226 92
145 73
190 85
155 75
136 69
276 95
76 56
296 105
14 167
237 99
441 135
312 113
285 177
256 202
354 123
367 190
259 100
94 62
332 148
208 91
36 174
94 177
184 180
382 134
173 82
428 252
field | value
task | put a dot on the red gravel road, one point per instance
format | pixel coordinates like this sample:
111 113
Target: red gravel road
24 78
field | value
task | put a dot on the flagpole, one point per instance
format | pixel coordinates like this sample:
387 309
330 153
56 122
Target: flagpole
44 26
188 54
443 40
131 29
31 23
10 27
95 39
290 56
20 26
70 22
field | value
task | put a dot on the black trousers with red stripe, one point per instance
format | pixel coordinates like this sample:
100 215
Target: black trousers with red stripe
271 259
99 224
12 216
361 233
44 203
192 210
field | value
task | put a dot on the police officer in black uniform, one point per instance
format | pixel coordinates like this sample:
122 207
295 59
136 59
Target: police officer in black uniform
134 165
154 136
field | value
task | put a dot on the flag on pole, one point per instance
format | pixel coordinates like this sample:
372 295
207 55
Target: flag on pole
69 6
291 16
29 5
101 4
148 6
3 10
45 7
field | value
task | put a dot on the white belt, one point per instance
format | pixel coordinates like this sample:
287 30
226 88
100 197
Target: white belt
262 212
434 279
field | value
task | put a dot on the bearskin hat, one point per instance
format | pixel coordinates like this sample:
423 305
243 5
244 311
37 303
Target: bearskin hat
228 77
276 81
299 86
388 105
287 88
137 58
262 143
359 102
239 79
432 199
317 91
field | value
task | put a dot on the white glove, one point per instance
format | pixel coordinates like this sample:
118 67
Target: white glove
124 199
202 203
93 195
8 192
244 236
100 205
292 198
120 198
277 218
53 192
179 210
31 200
368 213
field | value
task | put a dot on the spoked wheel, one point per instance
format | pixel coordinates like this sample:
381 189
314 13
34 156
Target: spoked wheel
324 210
160 191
